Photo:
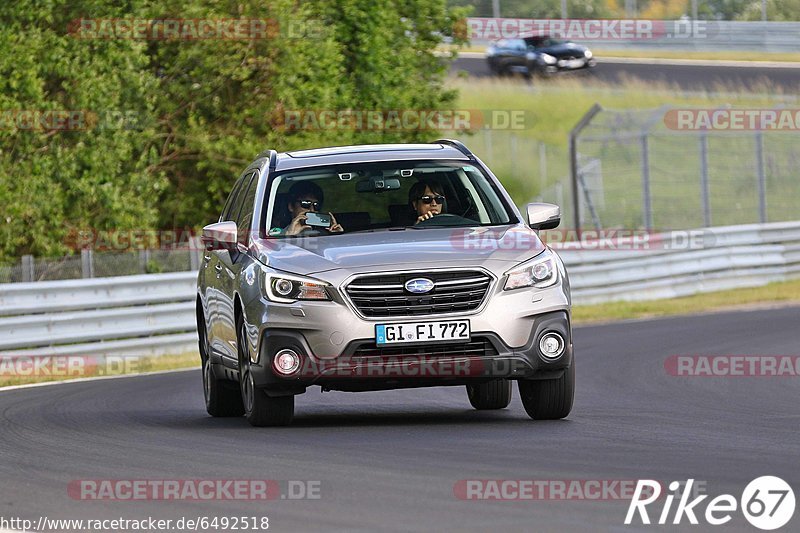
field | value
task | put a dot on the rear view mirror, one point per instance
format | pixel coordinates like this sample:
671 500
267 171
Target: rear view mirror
220 236
543 216
378 185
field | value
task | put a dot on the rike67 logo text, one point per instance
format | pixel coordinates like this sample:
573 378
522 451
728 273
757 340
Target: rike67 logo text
767 503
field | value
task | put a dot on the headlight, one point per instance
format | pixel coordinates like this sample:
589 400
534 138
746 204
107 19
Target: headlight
285 288
588 54
548 59
541 271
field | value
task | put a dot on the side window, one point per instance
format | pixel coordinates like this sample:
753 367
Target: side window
245 216
231 202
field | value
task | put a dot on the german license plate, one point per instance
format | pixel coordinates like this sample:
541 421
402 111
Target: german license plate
422 332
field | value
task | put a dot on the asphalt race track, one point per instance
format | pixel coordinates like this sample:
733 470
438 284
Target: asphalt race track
391 459
691 77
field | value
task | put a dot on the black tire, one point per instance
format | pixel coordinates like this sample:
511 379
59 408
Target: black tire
259 409
549 399
222 396
495 394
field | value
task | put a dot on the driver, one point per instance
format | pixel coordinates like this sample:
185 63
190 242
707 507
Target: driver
427 198
304 197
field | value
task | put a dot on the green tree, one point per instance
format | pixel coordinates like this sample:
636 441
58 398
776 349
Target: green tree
197 110
91 173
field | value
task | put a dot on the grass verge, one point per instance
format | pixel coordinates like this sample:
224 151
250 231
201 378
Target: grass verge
60 368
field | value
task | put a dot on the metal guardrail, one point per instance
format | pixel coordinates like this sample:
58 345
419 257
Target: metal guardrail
153 314
737 257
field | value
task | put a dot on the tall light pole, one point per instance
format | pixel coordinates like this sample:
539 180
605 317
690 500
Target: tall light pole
764 10
496 9
563 9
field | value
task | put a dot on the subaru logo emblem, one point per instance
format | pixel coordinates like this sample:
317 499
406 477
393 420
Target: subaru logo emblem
419 285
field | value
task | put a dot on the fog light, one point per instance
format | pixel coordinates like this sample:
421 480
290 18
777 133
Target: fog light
551 345
286 362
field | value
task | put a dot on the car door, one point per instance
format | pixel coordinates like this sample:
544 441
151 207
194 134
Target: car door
212 272
231 263
516 54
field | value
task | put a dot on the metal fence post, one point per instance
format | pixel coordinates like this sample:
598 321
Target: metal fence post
704 187
144 259
573 161
543 167
194 257
87 263
28 272
646 198
762 179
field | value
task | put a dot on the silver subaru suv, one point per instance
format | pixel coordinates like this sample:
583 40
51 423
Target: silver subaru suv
376 267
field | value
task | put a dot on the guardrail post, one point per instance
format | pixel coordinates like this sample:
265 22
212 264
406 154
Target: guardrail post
646 199
762 179
704 188
87 263
28 272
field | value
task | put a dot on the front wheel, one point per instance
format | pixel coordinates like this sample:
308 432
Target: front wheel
495 394
221 396
259 409
549 399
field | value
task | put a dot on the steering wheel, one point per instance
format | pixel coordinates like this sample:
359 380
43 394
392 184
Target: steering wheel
445 219
314 232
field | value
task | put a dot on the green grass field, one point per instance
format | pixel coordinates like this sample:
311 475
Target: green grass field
534 161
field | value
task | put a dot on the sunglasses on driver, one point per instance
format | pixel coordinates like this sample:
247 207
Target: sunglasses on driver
427 199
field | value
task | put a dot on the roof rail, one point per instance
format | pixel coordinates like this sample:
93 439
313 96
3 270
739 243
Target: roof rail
273 160
458 145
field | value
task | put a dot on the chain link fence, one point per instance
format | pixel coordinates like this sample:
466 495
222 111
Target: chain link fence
661 169
90 264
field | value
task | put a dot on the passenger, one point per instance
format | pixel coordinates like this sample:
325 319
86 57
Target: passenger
427 199
304 197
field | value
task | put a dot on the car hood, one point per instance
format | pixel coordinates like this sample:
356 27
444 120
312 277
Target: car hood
402 249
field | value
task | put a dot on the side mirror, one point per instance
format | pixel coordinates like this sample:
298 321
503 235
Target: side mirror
220 236
543 216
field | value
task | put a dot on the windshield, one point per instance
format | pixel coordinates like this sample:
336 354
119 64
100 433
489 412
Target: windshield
380 196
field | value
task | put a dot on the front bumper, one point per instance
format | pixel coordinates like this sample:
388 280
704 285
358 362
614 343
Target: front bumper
362 367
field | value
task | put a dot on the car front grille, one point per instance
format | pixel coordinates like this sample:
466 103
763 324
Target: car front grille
384 295
477 347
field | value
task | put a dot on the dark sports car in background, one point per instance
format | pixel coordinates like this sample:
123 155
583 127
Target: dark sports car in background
537 55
